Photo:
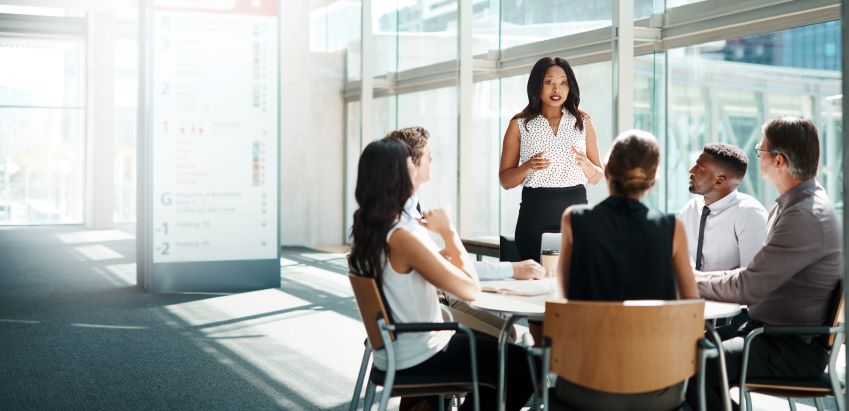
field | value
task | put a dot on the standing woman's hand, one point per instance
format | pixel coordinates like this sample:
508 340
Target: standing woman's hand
537 162
582 161
589 161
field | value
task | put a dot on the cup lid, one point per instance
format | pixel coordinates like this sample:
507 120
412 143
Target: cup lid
550 252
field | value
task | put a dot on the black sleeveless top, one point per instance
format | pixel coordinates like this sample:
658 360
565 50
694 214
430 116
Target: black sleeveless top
621 251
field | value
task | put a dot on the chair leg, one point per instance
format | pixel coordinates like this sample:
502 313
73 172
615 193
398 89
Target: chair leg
792 404
749 405
358 388
369 400
819 404
441 403
384 399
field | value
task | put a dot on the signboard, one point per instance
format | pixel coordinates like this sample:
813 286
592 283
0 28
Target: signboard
212 107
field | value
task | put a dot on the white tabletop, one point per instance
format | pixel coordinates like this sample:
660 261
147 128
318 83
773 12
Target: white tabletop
534 307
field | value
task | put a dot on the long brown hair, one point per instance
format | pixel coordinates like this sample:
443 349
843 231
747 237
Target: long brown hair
573 99
383 186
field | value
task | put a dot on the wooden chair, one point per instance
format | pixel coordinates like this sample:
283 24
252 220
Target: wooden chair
830 336
381 334
632 349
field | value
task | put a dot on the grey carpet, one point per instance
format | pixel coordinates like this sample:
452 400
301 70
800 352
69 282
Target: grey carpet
75 335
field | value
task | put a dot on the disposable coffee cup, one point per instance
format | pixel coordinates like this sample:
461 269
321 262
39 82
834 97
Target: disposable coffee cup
549 260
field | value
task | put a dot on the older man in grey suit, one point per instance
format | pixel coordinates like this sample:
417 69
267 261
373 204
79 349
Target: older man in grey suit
790 280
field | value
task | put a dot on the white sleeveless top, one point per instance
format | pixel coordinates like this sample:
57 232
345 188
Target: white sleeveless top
539 137
411 298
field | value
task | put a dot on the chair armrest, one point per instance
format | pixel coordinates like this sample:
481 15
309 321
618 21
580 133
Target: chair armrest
801 330
423 327
708 347
781 330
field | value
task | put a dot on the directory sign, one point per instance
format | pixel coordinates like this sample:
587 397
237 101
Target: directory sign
212 96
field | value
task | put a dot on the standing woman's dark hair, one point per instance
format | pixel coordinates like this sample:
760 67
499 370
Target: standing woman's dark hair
383 186
573 99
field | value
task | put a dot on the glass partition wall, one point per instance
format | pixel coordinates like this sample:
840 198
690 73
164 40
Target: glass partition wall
42 130
703 72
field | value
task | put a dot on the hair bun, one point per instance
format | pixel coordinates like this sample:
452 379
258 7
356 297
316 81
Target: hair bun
636 180
635 174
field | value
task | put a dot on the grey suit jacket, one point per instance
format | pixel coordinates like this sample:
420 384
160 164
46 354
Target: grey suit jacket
790 281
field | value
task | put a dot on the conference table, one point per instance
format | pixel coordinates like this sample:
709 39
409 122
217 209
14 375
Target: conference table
532 307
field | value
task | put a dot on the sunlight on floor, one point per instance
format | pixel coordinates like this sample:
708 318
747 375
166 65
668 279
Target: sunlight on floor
313 349
322 280
97 252
94 236
284 262
125 274
322 256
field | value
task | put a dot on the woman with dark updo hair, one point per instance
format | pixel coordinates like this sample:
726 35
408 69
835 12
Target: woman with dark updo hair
620 250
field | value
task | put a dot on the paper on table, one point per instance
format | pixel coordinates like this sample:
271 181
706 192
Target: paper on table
526 288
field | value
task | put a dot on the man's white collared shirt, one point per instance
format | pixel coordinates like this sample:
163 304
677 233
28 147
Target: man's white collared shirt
486 270
735 230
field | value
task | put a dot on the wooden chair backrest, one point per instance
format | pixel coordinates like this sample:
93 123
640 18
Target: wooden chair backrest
835 314
624 347
370 303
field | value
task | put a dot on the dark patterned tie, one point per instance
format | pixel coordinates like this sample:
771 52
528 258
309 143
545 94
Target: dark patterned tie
705 212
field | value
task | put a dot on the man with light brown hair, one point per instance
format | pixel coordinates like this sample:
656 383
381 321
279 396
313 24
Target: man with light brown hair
417 139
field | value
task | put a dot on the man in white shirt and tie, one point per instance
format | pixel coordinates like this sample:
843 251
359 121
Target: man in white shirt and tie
725 228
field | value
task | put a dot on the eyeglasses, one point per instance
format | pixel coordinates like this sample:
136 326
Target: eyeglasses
759 150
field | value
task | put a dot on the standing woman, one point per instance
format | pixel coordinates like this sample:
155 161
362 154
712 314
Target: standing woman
550 148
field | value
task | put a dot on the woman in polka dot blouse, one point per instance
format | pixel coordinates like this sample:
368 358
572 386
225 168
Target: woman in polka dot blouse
550 148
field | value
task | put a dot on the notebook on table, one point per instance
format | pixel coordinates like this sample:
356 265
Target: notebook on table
526 288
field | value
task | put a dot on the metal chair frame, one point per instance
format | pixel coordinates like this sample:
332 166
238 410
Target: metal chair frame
836 387
387 332
705 351
834 329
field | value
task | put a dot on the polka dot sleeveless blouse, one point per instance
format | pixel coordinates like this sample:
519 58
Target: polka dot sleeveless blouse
539 137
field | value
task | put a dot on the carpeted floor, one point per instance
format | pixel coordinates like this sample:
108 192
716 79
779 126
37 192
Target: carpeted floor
75 332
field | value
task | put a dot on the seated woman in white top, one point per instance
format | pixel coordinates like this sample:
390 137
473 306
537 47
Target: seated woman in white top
409 268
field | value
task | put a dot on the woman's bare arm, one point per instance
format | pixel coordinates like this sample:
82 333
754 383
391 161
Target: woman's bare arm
510 172
565 252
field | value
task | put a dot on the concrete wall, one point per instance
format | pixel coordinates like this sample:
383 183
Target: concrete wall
312 132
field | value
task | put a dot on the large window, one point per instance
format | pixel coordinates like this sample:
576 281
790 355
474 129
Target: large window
436 111
126 127
720 91
725 91
42 129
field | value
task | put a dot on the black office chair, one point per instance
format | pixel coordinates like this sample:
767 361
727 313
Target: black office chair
509 251
830 336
